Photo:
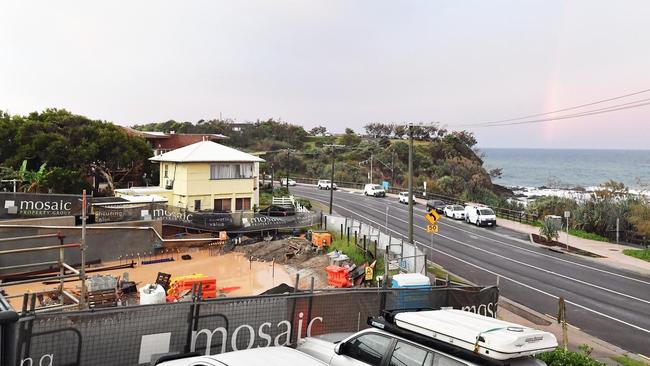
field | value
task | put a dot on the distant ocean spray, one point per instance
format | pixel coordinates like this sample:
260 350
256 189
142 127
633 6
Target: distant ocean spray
569 168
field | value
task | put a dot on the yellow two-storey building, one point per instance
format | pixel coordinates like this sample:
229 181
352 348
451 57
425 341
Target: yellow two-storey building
205 176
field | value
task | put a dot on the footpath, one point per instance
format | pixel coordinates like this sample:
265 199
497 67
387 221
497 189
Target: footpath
612 254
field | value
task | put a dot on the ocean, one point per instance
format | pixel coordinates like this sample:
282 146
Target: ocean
570 168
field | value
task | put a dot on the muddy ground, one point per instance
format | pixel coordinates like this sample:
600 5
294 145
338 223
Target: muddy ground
298 256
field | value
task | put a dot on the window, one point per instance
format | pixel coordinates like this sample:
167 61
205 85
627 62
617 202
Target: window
222 205
242 204
405 354
197 205
368 348
442 360
231 171
166 171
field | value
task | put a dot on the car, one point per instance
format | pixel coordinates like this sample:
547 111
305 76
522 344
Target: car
278 211
404 198
393 344
284 182
480 215
326 184
374 190
437 205
267 356
455 212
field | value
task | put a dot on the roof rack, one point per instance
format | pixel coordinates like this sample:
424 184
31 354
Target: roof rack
474 346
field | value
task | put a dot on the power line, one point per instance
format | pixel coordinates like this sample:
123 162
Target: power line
565 109
620 107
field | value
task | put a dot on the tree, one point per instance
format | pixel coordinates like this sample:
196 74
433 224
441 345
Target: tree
318 131
639 217
350 138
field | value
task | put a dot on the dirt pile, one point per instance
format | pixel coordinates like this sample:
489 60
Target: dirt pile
297 255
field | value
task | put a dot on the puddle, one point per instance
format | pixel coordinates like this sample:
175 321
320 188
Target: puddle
230 270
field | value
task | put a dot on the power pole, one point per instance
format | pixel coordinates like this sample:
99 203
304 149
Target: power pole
392 168
370 168
332 175
410 231
288 169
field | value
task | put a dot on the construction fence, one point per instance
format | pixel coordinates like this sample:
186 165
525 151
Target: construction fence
135 335
403 254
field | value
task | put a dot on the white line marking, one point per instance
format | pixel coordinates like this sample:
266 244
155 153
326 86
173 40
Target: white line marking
529 250
506 277
526 264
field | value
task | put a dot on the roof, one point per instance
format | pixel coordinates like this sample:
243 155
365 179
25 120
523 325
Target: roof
206 152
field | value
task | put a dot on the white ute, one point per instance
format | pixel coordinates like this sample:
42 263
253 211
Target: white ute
435 338
326 184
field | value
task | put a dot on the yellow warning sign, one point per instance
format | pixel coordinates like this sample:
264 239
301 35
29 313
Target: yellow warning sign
432 216
432 228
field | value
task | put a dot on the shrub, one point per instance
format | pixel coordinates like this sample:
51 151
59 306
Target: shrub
560 357
550 229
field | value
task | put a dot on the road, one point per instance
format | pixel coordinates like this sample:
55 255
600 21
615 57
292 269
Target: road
609 303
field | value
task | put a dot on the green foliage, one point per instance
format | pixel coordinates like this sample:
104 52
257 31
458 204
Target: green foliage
304 203
550 229
595 217
585 235
626 360
74 147
560 357
638 253
356 254
639 217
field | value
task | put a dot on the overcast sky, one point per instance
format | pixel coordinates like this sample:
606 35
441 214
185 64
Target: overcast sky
336 63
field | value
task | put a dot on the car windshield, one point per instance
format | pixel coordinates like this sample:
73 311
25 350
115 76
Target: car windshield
486 211
458 208
324 181
376 187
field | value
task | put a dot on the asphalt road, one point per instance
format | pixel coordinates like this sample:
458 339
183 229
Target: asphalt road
610 303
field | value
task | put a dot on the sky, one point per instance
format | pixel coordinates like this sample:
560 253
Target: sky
336 63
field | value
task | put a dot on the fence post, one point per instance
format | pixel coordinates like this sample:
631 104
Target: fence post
320 223
375 256
355 238
364 243
341 231
425 266
348 235
325 222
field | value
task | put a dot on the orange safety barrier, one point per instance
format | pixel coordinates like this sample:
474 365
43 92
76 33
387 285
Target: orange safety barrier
208 285
338 276
321 238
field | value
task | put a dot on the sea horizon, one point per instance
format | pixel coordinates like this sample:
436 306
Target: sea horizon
568 168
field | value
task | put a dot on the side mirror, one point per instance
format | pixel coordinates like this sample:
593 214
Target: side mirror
339 348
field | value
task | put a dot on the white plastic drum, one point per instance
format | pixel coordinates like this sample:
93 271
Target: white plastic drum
152 294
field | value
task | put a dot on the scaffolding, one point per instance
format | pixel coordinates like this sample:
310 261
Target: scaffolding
64 271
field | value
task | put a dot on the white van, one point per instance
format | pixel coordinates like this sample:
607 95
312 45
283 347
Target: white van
374 190
480 215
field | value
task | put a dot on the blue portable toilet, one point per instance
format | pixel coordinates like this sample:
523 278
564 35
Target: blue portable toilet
419 296
385 185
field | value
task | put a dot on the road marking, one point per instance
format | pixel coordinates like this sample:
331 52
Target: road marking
528 265
504 276
646 357
530 251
